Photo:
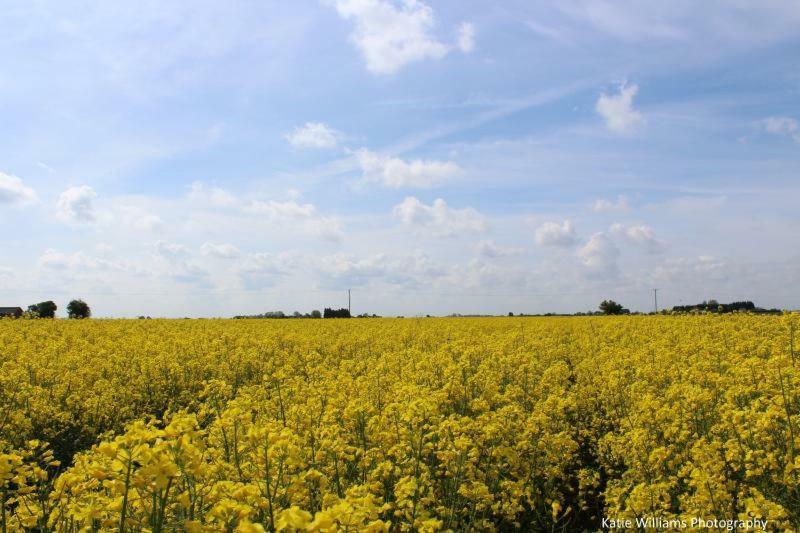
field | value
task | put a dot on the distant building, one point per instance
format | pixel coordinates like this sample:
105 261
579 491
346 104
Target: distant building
11 311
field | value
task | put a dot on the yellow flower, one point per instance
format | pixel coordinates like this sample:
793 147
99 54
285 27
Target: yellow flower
293 519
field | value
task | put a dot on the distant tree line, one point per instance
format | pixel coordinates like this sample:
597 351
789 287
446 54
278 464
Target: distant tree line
43 309
280 314
610 307
336 313
712 306
329 312
47 309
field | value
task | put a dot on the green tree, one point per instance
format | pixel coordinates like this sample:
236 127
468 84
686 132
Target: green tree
78 309
610 307
316 314
44 309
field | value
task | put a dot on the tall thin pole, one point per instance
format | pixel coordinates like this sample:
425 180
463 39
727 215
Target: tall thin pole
655 299
348 301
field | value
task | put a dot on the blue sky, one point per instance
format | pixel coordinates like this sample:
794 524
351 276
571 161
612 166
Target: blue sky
210 159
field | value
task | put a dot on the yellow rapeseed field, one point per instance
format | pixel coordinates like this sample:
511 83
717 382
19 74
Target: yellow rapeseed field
538 424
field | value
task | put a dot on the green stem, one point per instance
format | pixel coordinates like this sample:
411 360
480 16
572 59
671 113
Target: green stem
125 496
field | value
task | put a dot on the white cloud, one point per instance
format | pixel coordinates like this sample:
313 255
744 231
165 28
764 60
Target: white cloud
7 278
265 262
492 250
13 191
411 269
289 209
222 251
45 166
642 236
709 264
75 204
466 37
174 260
188 272
211 196
618 111
356 271
438 218
79 262
701 25
599 256
555 234
687 271
263 269
171 250
148 222
784 126
391 36
695 203
394 172
311 220
137 218
313 135
612 206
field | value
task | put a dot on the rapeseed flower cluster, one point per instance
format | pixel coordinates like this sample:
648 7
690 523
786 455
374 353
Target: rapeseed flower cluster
398 425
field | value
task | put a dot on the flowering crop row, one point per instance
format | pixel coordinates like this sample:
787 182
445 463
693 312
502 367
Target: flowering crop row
418 424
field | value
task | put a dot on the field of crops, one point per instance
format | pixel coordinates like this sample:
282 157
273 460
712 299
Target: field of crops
398 424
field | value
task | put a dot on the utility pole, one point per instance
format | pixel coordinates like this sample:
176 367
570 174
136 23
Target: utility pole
655 299
348 301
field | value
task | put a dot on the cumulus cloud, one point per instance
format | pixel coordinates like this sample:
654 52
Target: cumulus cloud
691 269
139 218
599 256
394 172
612 206
492 250
391 36
313 135
783 126
171 250
174 260
412 269
222 251
310 219
289 209
187 272
641 236
6 277
263 269
618 112
438 218
13 191
204 195
555 234
76 204
79 262
466 37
